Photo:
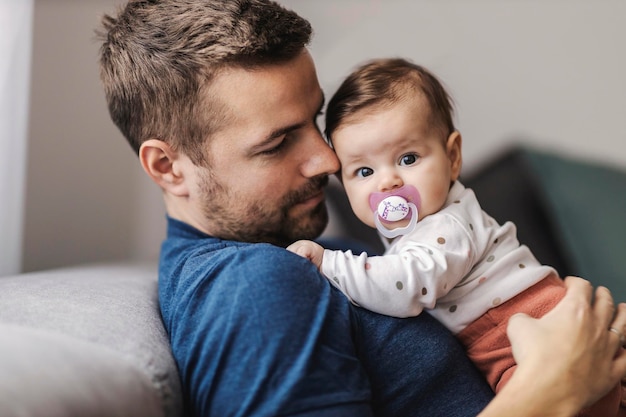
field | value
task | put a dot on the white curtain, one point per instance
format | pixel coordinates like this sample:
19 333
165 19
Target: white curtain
15 57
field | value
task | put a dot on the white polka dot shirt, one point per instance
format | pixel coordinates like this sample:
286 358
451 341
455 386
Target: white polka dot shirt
456 264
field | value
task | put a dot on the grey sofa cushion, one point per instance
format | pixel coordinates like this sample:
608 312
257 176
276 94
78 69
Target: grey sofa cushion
63 320
53 375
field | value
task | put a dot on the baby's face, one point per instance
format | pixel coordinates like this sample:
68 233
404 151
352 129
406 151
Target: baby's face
386 147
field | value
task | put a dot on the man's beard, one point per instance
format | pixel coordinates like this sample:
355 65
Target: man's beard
264 220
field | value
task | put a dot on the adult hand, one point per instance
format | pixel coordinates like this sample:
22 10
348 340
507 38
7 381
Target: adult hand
566 360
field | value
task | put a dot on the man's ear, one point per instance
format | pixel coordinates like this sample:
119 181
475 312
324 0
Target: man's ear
164 166
455 155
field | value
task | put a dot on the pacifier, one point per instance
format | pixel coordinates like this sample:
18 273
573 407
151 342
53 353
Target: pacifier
393 206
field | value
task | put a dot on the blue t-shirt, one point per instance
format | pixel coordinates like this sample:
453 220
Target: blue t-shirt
257 331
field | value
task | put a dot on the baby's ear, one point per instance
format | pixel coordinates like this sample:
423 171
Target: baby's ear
455 155
163 165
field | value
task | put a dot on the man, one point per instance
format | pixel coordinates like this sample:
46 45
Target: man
220 100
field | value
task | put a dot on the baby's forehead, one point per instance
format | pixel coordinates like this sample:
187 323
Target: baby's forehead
416 101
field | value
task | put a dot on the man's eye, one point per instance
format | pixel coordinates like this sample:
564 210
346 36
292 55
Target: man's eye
275 149
364 172
408 159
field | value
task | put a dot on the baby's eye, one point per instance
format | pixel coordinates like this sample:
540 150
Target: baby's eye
364 172
408 159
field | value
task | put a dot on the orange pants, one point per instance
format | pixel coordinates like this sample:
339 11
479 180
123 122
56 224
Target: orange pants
488 345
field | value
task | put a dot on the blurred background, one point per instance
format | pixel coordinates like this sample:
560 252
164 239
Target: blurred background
546 73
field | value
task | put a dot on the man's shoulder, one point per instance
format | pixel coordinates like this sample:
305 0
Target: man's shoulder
186 246
261 261
217 262
241 255
228 277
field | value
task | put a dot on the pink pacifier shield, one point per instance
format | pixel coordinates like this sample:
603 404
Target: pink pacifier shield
393 206
407 192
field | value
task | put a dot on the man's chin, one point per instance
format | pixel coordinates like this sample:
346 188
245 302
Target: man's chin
312 224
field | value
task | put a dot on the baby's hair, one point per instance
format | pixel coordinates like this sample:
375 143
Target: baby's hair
387 81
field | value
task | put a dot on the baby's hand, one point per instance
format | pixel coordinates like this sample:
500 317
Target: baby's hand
308 249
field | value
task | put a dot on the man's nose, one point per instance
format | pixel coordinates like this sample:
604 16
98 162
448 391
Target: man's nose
320 159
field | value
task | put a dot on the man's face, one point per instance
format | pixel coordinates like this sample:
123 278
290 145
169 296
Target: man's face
268 166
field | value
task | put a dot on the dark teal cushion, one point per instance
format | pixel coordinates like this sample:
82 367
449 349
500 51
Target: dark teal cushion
586 203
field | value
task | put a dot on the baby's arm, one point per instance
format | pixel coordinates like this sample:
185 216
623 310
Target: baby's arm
365 280
415 272
308 249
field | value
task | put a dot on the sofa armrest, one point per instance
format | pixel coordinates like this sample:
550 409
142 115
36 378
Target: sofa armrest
83 341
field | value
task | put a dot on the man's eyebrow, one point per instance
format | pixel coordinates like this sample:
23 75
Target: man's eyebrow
285 129
267 140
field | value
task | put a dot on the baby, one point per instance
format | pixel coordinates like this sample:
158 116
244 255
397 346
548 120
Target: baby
390 124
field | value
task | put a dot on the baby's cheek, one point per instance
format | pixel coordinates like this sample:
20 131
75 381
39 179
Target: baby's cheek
433 204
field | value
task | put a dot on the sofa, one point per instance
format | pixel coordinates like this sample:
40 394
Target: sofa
85 341
88 340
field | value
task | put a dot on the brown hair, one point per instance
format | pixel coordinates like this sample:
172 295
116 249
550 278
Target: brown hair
158 58
387 81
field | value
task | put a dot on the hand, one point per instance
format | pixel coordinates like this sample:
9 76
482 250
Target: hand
567 359
569 354
308 249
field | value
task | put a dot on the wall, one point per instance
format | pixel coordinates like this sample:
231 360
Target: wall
548 72
15 56
545 72
87 199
